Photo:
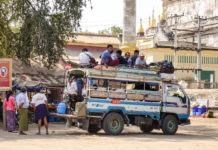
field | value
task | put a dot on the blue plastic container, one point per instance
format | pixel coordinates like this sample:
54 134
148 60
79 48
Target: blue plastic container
61 108
57 119
51 118
195 110
202 110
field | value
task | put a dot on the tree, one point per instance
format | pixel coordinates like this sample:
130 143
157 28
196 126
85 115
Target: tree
38 28
114 30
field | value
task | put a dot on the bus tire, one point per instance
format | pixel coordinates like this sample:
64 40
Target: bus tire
93 128
170 125
113 124
146 129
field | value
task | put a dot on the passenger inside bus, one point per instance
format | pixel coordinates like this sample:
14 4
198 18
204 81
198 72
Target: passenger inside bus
74 89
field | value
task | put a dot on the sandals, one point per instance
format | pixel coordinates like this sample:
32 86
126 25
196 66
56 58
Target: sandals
22 133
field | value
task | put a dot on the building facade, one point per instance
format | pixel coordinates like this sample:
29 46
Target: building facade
158 42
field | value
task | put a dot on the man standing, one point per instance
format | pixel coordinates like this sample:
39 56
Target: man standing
40 105
22 104
133 59
72 90
140 61
106 59
86 59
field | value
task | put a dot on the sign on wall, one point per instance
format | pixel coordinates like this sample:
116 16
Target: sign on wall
5 74
67 66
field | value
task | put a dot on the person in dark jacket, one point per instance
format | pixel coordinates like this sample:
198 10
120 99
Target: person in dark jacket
122 60
133 58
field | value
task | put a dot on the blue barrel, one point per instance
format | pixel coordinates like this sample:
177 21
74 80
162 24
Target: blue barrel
91 82
195 110
202 110
61 108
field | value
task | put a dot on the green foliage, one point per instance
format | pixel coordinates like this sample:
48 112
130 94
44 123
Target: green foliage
38 28
114 30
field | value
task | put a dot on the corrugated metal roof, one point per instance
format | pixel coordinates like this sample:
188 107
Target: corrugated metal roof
35 74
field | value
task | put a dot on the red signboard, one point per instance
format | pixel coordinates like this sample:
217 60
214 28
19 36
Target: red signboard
5 74
67 66
115 101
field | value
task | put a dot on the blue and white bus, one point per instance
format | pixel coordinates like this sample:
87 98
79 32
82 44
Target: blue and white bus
119 96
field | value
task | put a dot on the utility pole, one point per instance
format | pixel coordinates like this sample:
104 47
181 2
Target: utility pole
199 52
4 126
176 40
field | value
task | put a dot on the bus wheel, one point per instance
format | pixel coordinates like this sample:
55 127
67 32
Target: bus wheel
93 128
170 125
146 128
113 124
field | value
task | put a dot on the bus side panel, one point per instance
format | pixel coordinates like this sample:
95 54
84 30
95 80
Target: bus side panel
127 107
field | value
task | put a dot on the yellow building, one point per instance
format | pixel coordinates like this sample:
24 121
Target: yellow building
186 61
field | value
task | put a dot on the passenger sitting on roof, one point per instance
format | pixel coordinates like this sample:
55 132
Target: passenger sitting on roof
133 58
86 59
128 59
106 59
140 61
122 60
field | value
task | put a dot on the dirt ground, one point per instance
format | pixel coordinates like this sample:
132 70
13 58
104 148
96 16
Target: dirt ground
202 134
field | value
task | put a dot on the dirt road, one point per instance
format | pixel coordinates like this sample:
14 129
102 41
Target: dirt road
202 134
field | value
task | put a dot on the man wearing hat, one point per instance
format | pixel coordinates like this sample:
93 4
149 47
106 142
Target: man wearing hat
140 61
22 104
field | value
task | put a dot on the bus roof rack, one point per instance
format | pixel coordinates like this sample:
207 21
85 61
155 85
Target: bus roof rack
126 74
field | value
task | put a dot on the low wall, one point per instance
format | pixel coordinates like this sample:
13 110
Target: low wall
210 94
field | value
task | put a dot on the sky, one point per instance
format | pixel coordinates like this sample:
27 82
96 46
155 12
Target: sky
106 13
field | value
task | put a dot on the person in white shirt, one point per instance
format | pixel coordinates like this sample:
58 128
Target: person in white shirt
86 58
140 61
72 90
22 104
40 105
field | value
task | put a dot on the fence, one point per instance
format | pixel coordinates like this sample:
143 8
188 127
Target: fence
203 85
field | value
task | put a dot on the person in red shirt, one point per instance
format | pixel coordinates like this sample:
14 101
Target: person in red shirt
9 104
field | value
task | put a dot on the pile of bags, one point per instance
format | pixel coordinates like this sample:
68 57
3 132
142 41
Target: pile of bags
164 67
